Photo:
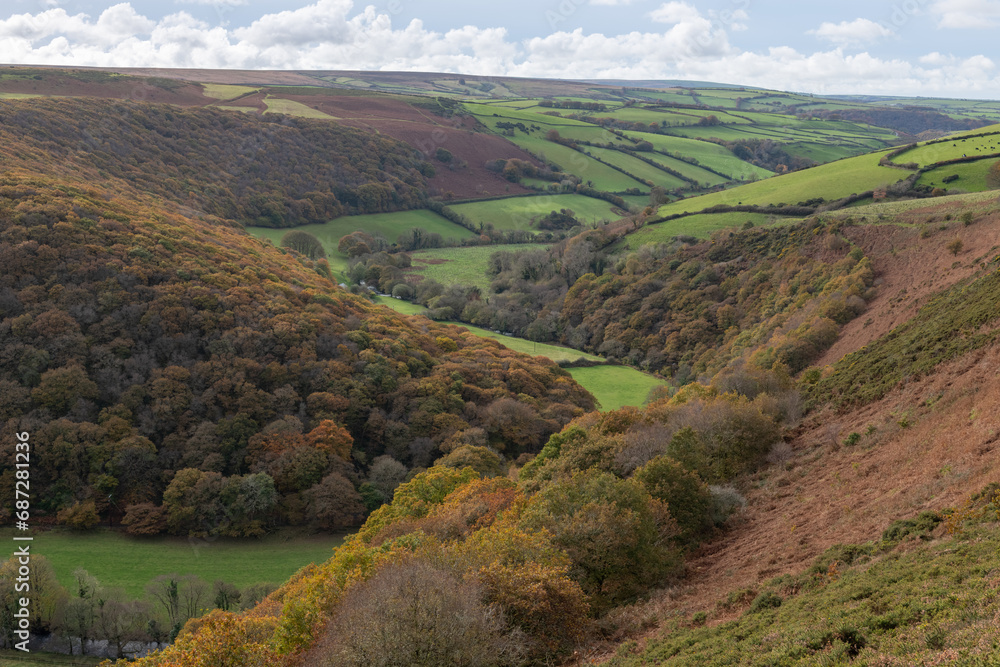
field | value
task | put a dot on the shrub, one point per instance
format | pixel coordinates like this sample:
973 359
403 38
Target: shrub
766 600
955 246
144 519
412 613
688 499
726 501
80 515
612 530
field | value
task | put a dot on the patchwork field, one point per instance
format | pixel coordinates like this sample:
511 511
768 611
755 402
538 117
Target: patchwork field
829 181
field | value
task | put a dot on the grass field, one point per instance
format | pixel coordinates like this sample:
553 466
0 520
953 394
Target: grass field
638 168
389 225
13 658
711 155
19 96
971 176
400 306
569 160
700 226
830 181
223 91
118 560
613 386
517 212
971 146
556 353
291 108
616 386
463 266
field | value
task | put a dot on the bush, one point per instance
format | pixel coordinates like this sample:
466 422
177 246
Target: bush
766 600
688 499
412 613
81 515
144 519
612 530
726 501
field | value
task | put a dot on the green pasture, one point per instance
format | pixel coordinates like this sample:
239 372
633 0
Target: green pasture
516 212
400 306
118 560
15 658
699 226
556 353
830 181
462 266
616 386
292 108
711 155
960 146
20 96
638 168
222 91
971 176
567 159
613 386
389 225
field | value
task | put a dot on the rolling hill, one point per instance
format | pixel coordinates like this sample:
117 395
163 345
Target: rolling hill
812 480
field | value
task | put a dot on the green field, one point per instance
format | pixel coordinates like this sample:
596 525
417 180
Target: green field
971 176
291 108
960 146
556 353
118 560
462 266
638 168
389 225
616 386
711 155
613 386
700 226
829 181
601 176
517 212
14 658
400 306
223 91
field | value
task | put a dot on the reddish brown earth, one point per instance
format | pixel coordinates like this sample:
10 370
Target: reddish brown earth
910 270
127 88
426 132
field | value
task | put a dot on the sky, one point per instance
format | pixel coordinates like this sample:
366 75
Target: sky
878 47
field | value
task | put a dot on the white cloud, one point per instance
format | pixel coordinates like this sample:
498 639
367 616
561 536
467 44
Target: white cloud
332 34
215 3
859 32
675 12
935 59
967 13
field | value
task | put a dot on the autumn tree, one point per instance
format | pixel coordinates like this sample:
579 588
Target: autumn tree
303 243
416 614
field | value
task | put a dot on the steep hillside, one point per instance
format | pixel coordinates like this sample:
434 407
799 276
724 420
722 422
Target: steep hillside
156 359
275 171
